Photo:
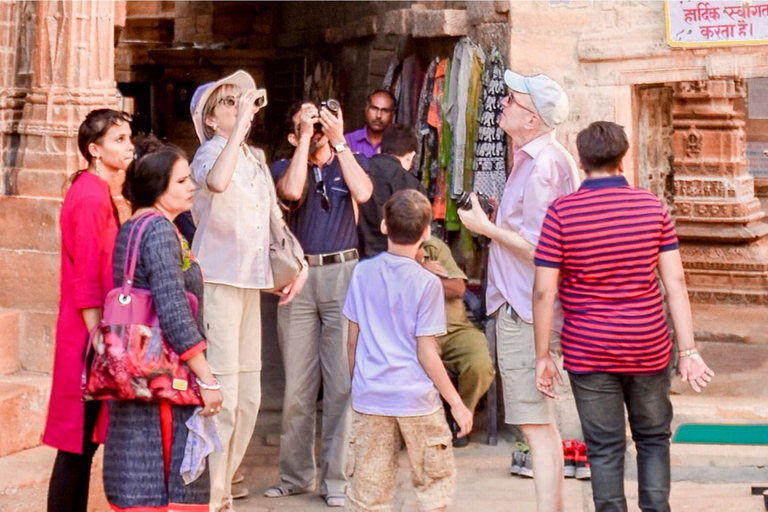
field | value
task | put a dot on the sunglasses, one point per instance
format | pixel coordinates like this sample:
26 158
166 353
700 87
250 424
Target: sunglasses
511 99
260 101
325 202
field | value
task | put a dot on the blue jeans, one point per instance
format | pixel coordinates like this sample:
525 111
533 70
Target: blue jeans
600 400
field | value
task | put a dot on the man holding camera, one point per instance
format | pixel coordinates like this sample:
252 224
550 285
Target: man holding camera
542 171
323 183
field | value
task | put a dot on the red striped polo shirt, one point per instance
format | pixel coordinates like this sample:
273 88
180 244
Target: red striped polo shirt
606 239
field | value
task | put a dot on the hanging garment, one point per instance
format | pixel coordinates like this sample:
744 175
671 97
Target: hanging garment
393 70
476 65
464 55
435 120
490 163
425 134
411 79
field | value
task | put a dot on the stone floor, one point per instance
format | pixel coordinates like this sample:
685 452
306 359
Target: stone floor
706 478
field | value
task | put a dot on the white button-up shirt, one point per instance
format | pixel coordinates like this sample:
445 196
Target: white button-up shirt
232 237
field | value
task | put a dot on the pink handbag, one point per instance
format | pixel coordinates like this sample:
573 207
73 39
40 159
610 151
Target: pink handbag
133 360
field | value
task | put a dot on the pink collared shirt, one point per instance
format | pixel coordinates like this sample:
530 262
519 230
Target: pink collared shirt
542 171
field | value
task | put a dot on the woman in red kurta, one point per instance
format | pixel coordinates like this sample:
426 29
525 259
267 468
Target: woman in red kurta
89 227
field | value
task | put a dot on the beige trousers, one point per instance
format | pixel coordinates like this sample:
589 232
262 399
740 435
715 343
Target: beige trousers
232 319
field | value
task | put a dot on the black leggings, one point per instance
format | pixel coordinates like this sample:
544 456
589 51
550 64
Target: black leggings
71 476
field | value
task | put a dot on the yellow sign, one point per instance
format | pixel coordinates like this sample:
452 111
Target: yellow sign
696 24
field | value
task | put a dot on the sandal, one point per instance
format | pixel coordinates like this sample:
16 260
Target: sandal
280 491
335 500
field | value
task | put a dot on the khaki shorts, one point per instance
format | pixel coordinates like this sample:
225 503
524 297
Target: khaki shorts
372 460
516 355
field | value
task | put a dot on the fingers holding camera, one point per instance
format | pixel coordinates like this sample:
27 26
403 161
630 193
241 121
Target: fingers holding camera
333 125
475 219
307 120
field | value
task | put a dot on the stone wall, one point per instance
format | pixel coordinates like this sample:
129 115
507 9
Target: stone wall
599 50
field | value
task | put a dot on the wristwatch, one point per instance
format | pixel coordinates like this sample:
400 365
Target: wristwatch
687 352
340 146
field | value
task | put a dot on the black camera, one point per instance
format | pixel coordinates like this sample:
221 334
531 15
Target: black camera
465 202
333 107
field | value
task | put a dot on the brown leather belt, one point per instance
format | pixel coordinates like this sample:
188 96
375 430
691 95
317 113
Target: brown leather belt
318 260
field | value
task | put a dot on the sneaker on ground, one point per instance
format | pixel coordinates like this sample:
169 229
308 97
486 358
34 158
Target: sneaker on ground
569 458
518 461
526 470
583 469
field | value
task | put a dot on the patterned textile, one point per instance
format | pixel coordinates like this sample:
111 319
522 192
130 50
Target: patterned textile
606 239
202 440
426 135
372 460
490 164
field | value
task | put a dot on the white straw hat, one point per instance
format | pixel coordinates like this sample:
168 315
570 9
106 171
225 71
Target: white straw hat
239 78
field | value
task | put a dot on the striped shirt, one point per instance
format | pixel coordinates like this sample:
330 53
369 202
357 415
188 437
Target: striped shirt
606 239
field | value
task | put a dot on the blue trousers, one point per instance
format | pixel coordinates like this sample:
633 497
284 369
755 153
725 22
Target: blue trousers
600 400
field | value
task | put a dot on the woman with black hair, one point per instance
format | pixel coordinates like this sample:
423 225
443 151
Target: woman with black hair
89 226
146 441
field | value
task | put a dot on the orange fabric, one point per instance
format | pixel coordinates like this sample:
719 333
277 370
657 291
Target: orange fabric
192 352
166 429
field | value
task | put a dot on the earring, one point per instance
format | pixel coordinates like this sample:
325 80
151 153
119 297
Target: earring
215 127
98 162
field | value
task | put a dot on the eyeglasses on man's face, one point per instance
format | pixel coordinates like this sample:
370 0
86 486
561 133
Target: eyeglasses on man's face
511 100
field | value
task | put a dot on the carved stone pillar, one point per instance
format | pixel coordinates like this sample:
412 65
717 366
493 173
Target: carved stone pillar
12 90
723 241
73 73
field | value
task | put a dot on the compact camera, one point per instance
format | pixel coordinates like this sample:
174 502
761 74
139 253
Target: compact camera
333 106
261 98
465 203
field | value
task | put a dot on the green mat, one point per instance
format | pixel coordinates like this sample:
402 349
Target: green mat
713 433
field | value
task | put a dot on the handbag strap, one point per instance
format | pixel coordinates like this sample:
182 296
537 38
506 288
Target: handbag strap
132 252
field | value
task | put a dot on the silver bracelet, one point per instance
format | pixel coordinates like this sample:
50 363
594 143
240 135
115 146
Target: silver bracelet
209 387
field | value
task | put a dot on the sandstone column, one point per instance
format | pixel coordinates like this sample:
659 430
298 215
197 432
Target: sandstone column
73 73
11 91
723 241
70 70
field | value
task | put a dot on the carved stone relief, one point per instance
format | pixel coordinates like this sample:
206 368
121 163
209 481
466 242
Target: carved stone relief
723 247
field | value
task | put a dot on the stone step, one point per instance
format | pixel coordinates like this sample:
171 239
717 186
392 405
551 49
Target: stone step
720 322
24 478
10 360
23 405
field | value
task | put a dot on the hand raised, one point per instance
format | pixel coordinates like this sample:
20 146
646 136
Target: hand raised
333 125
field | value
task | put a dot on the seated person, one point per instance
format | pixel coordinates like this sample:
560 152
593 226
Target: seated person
389 172
463 349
